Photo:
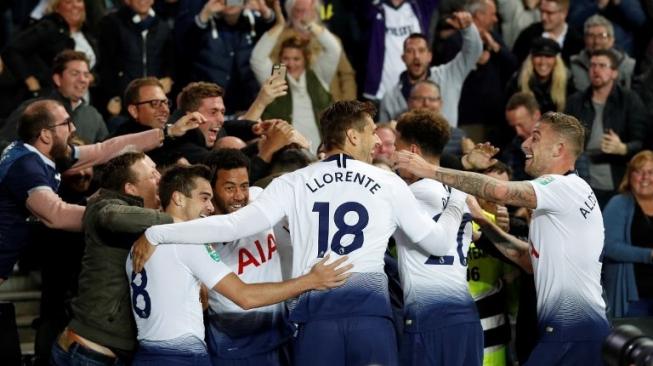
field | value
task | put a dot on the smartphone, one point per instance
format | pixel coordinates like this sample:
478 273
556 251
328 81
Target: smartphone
279 69
235 3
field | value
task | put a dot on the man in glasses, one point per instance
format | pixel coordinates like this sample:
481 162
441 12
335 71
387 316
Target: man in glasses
599 35
30 166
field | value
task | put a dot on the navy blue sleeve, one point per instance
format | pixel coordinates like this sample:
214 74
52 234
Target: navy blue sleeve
25 174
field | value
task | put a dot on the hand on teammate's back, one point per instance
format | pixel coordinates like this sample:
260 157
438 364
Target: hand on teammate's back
330 275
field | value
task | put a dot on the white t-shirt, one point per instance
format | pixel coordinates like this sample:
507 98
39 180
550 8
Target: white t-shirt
399 24
339 206
165 295
566 237
435 288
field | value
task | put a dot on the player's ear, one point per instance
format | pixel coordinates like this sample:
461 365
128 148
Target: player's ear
415 149
178 199
351 136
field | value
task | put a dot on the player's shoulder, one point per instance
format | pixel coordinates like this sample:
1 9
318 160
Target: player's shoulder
558 181
254 191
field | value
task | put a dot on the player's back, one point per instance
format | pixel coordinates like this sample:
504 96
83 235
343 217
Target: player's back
566 238
343 207
435 288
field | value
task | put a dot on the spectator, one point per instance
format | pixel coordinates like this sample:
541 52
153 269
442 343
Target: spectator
417 58
387 135
389 23
301 13
599 35
480 110
71 76
218 41
627 16
544 75
133 43
522 113
616 121
102 328
308 92
552 26
627 266
516 15
29 177
426 95
31 51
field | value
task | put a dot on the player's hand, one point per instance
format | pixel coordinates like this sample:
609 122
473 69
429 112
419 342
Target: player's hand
413 163
331 275
460 20
142 250
188 122
611 144
480 158
502 218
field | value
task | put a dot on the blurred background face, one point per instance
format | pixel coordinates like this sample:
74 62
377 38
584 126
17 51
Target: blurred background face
387 146
231 190
417 57
425 96
140 7
522 121
597 38
543 66
302 12
641 180
73 11
601 72
553 16
79 181
486 18
294 60
74 81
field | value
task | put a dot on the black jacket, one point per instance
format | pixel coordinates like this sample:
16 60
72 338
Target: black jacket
125 55
31 51
624 113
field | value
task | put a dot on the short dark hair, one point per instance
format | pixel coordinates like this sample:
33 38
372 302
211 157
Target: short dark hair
567 127
426 129
499 168
225 159
64 57
523 99
416 36
341 116
289 159
117 172
611 55
36 117
132 92
190 98
181 179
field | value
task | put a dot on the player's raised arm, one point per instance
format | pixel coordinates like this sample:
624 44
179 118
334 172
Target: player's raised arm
434 237
519 194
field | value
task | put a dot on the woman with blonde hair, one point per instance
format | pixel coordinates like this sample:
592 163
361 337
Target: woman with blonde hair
544 75
628 262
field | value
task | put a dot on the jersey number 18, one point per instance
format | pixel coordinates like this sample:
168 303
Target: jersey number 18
322 208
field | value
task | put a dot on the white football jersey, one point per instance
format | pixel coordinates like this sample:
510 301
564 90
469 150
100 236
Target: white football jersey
566 238
339 206
435 288
165 294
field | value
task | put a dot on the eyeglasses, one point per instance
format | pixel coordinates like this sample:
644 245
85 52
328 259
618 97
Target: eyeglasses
425 99
68 122
155 103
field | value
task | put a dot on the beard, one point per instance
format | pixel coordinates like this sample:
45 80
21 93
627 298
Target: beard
60 154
